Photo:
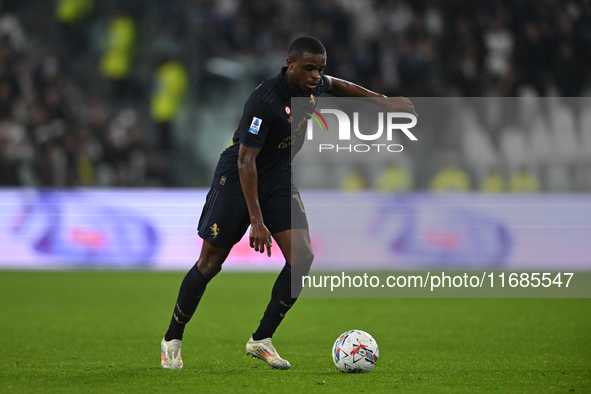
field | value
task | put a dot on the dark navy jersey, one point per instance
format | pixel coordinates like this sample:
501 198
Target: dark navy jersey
266 125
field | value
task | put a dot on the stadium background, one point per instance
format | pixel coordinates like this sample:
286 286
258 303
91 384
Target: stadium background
81 99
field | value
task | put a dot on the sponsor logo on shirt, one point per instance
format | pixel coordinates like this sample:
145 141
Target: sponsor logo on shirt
255 125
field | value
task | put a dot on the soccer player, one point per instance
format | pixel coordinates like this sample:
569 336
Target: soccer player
253 186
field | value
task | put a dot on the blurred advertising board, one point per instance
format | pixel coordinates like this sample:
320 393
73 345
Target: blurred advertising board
458 230
144 229
156 229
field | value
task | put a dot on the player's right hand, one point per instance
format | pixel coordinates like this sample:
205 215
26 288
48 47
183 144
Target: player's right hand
401 104
260 237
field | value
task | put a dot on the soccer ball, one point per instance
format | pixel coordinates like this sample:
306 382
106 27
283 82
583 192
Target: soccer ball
355 351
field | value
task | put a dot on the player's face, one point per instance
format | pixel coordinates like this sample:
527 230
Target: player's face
304 74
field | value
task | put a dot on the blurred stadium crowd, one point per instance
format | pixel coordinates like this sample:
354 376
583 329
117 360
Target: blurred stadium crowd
99 93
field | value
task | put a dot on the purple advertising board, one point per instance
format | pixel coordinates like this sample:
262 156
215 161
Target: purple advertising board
154 229
473 231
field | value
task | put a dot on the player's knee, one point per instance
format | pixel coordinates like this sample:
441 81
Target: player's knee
209 267
303 259
309 258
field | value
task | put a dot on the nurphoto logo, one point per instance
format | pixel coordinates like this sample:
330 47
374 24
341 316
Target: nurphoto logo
387 123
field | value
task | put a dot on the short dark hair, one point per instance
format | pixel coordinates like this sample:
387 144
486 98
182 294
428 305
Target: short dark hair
303 45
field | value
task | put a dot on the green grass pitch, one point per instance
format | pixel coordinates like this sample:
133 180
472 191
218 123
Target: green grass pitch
95 331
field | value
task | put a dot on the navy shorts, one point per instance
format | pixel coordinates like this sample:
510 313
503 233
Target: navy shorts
225 217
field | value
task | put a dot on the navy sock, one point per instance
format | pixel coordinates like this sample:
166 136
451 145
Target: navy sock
192 289
285 293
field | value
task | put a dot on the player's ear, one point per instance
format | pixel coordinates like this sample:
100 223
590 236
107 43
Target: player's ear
290 64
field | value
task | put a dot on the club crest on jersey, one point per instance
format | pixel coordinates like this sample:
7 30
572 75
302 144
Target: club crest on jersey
255 126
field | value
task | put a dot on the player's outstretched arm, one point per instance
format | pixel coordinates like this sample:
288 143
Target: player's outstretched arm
341 88
247 169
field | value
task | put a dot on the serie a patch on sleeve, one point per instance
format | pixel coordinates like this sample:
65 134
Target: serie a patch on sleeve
255 126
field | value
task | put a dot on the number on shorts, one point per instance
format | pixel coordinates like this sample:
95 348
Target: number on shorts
297 197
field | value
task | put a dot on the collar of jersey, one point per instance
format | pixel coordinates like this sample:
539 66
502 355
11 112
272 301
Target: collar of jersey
284 84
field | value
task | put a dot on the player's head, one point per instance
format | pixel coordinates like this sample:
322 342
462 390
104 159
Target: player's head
306 60
304 45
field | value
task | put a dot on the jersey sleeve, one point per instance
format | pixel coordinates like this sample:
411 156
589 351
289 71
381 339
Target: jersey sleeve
325 84
255 123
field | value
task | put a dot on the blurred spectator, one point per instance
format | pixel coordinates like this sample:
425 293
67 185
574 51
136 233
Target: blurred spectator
524 181
52 166
532 53
450 179
88 156
499 42
70 14
11 31
72 11
16 155
465 57
9 89
493 183
124 150
8 167
353 181
170 86
116 61
568 71
394 179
